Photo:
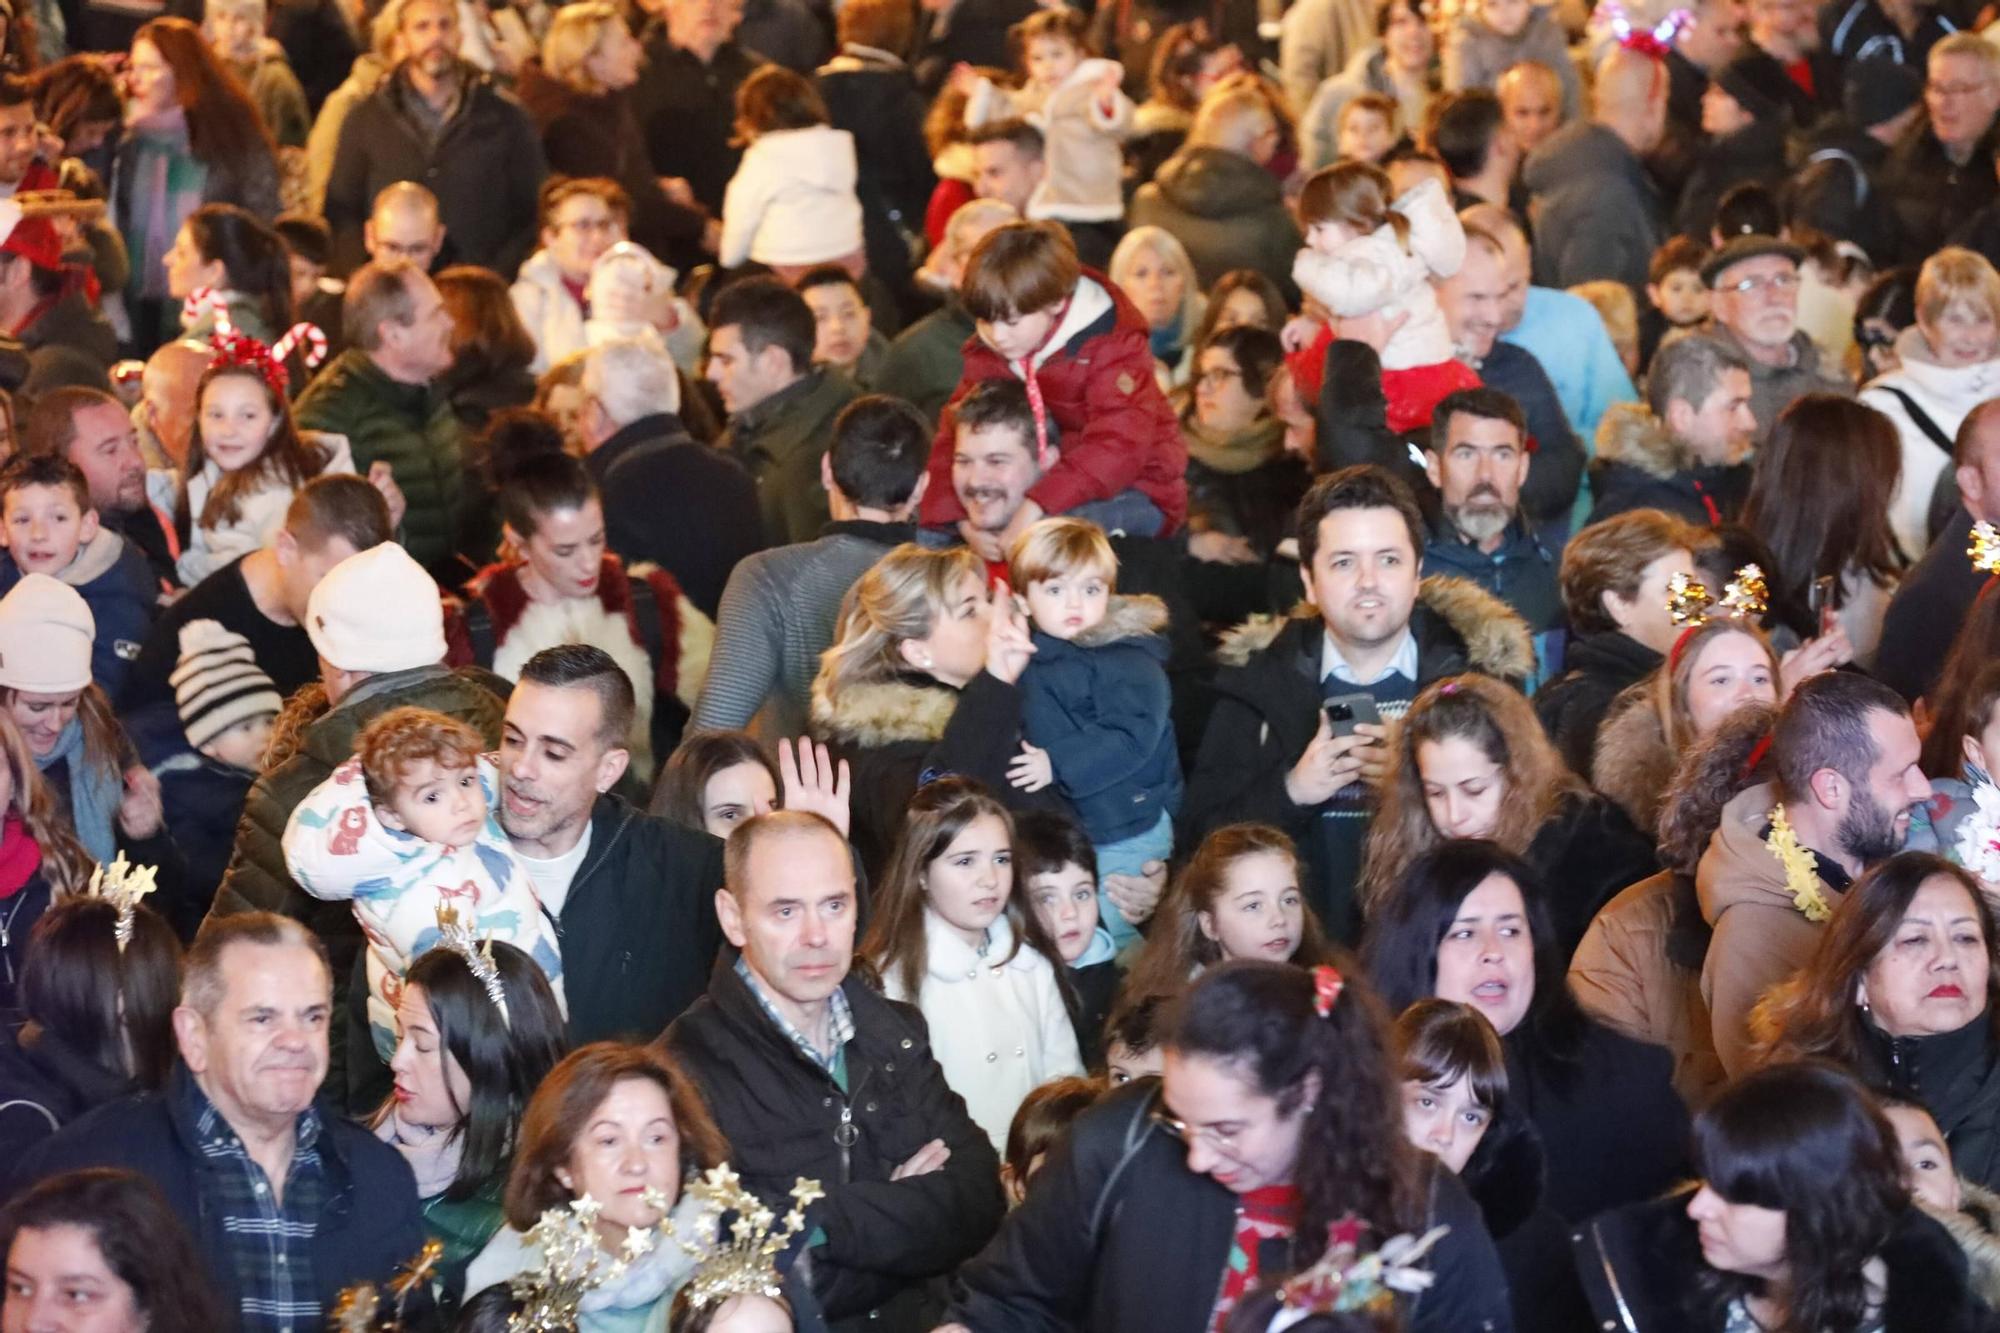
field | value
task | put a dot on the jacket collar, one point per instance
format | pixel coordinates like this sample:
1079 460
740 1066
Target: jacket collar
185 1103
906 707
661 427
752 420
1459 626
91 1082
882 534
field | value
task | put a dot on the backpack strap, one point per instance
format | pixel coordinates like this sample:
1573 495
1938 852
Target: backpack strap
1854 170
24 1104
1137 1130
1920 418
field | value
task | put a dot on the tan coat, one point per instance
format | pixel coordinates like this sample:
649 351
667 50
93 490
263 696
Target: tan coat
1626 974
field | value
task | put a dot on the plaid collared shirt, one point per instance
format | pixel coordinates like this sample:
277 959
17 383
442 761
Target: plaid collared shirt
270 1245
840 1021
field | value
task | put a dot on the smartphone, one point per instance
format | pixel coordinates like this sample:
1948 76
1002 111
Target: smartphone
1345 712
1819 601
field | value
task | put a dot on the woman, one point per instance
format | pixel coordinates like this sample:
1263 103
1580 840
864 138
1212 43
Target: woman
1242 481
1881 313
77 98
1900 991
1237 897
1948 363
102 1246
714 781
1802 1223
1748 127
99 1019
1712 670
41 861
490 348
921 679
1402 65
1242 297
1614 589
578 96
1962 752
1638 968
1187 64
192 137
1470 923
1216 196
556 583
1277 1115
1154 271
228 268
609 1116
1470 761
1819 498
464 1072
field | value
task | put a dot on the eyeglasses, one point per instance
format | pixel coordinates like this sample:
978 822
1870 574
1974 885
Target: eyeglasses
1216 378
1776 282
590 226
1186 1133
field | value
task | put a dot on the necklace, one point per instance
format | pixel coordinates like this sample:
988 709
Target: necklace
1801 877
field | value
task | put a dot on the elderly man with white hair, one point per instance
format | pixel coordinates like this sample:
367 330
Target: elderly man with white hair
680 505
235 28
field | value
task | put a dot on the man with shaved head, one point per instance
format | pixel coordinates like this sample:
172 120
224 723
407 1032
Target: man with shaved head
1597 212
404 224
164 414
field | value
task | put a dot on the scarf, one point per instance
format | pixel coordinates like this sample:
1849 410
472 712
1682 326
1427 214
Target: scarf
94 797
658 1273
1235 452
1166 341
166 185
433 1151
1270 1213
20 855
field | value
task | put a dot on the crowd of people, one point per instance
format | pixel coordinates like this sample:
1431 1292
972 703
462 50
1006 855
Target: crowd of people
971 666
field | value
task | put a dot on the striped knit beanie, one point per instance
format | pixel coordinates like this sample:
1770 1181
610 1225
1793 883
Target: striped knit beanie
217 682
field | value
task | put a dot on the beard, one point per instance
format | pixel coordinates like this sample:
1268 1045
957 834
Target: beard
1482 517
1867 832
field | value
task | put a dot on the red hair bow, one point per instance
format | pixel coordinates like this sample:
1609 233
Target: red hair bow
1327 986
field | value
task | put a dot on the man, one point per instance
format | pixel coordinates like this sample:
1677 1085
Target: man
1531 102
781 407
1469 134
1561 331
781 606
1477 459
376 622
1316 39
263 595
927 359
1932 600
438 120
1753 308
1905 31
404 224
580 220
630 893
1710 37
94 431
1687 450
287 1203
1007 162
1786 33
810 1072
1269 754
1845 781
1838 192
164 414
1941 172
1475 305
44 303
1597 213
235 30
687 508
381 394
686 96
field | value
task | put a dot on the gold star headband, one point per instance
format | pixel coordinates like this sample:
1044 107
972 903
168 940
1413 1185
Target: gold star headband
455 935
1745 597
742 1259
1985 548
123 885
1346 1280
568 1265
360 1306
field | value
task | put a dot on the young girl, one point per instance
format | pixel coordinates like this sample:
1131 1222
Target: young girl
40 864
952 937
245 458
791 203
1073 98
1961 821
1054 859
230 270
1237 898
1367 256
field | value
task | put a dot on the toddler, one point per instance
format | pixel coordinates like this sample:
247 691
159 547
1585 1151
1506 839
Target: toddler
226 706
791 203
1073 98
1676 296
407 827
1494 35
1367 256
245 458
1367 128
1095 702
48 526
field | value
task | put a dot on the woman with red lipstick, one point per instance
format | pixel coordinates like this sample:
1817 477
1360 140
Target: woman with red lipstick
464 1074
1469 924
556 583
1900 991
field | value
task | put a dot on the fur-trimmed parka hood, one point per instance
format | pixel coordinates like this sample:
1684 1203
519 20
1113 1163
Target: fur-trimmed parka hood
1133 616
1976 1228
1629 433
909 707
1632 764
1496 641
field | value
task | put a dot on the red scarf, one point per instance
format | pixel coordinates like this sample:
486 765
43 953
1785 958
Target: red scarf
20 855
1270 1213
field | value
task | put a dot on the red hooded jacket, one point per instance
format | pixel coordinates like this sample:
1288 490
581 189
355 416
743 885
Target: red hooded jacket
1106 415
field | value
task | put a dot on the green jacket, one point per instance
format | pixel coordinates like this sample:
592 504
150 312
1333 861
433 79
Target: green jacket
413 429
780 442
927 359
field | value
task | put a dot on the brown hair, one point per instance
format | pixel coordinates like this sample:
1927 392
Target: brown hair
202 984
559 190
223 126
1955 701
774 99
1176 947
488 337
1667 687
405 736
52 470
1062 23
286 459
1357 196
1502 723
113 1006
1018 269
885 25
1711 775
1612 556
1042 1119
561 1110
338 505
1051 547
1441 1041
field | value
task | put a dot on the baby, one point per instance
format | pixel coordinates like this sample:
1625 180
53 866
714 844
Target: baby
405 827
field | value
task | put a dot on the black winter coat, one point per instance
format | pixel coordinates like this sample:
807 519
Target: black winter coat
369 1227
1956 1076
1117 1234
1639 1266
874 97
19 911
1587 854
1923 617
1507 1177
687 111
44 1084
1705 497
1572 706
887 1240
